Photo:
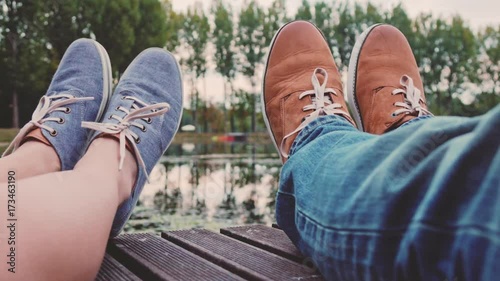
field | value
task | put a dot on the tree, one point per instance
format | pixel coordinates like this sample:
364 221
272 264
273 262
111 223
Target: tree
251 43
173 25
324 21
64 22
448 60
195 35
243 109
344 35
152 28
20 28
399 18
304 11
366 17
113 24
223 39
274 19
488 73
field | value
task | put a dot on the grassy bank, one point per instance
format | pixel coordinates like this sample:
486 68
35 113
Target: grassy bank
6 135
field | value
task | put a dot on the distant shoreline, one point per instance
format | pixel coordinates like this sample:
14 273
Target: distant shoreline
7 135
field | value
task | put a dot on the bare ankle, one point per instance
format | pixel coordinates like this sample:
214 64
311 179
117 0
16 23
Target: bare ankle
47 160
103 157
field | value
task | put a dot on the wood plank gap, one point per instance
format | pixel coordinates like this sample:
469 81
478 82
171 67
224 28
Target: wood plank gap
111 269
241 258
273 248
215 258
153 258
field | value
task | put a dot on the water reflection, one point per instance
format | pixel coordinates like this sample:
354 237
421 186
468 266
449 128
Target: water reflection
210 185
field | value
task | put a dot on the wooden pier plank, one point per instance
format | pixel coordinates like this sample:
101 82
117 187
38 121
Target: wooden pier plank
270 239
243 259
113 270
153 258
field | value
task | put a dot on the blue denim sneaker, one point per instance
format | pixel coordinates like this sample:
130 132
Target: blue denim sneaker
145 111
79 91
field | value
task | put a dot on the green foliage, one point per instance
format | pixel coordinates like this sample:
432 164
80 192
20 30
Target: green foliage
304 11
195 32
104 18
22 48
460 66
35 34
251 40
64 23
244 109
172 26
141 25
151 30
223 39
252 45
448 55
274 19
324 21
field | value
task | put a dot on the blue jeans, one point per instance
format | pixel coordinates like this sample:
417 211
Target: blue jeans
419 203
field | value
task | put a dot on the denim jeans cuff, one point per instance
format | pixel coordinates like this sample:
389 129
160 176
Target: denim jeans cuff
414 120
323 120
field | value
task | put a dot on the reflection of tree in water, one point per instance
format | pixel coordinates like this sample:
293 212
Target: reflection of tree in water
221 189
167 203
251 216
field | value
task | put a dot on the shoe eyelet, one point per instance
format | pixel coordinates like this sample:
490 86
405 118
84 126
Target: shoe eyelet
144 129
124 97
137 141
61 121
117 108
53 133
67 110
393 115
149 121
110 117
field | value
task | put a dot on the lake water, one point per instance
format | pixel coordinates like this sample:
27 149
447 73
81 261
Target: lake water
209 185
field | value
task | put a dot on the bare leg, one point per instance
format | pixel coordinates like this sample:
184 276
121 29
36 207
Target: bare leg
64 218
33 158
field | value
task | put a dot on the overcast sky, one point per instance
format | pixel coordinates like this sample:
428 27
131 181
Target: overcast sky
477 13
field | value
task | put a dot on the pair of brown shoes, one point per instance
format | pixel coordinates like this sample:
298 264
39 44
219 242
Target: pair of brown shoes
302 82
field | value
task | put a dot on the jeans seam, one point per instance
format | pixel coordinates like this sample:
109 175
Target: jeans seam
401 230
416 120
312 126
286 193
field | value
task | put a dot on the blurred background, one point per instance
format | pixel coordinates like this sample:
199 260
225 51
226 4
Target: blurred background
222 169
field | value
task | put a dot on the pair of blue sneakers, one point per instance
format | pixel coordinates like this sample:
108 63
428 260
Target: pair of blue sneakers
145 110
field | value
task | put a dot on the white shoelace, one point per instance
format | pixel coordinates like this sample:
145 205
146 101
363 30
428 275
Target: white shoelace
412 98
123 127
47 105
321 104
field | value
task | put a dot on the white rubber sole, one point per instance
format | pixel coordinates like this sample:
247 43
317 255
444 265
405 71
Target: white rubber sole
352 74
107 79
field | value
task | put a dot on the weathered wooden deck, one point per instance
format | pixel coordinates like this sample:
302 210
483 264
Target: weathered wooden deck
254 252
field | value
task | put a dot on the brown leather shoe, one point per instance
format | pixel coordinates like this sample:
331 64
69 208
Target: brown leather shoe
384 85
301 82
